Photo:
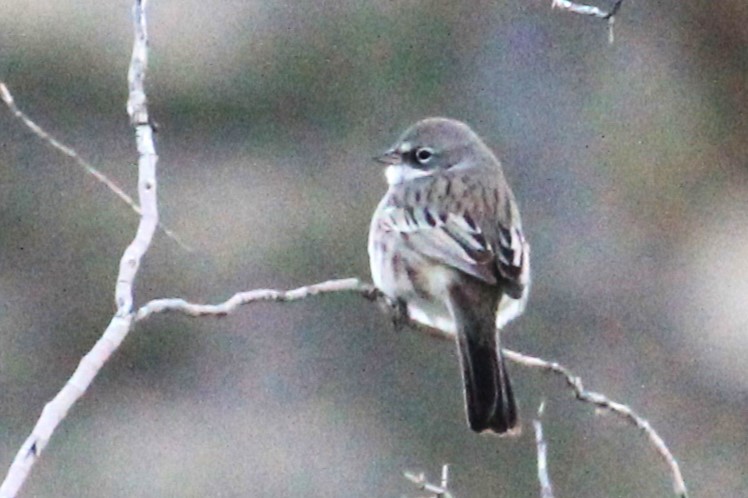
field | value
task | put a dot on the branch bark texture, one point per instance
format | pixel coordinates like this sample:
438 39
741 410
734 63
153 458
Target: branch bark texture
56 410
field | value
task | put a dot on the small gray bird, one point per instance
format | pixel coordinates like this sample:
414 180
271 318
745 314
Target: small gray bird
446 246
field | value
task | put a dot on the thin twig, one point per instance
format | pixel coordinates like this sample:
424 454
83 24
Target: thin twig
439 491
242 298
56 410
603 402
591 10
368 291
586 10
89 168
546 489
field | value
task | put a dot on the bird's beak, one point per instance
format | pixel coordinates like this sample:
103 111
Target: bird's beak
392 156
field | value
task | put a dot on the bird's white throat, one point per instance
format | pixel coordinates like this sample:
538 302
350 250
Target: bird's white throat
400 173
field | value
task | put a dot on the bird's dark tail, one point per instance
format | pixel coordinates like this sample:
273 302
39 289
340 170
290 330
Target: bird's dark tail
489 400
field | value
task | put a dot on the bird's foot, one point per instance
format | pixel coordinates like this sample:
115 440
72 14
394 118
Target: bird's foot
398 313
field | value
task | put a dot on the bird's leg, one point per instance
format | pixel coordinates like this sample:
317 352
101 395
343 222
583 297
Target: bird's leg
399 313
397 308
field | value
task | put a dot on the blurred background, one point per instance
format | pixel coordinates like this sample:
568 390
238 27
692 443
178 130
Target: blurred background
628 161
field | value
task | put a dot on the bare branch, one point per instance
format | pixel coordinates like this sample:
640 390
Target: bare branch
603 402
242 298
546 489
89 168
54 411
439 491
590 10
370 292
586 10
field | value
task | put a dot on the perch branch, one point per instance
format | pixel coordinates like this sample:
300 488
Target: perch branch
242 298
89 168
54 411
370 292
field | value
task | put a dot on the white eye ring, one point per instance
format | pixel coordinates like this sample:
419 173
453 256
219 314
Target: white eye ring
424 154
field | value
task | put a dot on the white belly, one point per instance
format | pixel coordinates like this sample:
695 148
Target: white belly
428 304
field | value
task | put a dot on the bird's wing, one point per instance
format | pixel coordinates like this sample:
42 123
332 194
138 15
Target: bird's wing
457 240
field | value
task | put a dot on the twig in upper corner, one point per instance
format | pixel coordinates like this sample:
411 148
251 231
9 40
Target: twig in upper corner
87 167
586 10
591 10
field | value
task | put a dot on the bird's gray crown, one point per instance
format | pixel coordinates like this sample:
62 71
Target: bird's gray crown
437 143
444 132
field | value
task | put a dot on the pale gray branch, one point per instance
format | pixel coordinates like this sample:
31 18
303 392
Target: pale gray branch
438 491
586 10
56 410
89 168
603 402
590 10
247 297
546 489
370 292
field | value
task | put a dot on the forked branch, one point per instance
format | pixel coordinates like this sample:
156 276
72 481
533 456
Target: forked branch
56 410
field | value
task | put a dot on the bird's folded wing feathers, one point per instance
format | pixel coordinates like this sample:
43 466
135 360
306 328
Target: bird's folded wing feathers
457 240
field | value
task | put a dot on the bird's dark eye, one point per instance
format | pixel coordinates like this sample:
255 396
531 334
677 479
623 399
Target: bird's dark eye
424 154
